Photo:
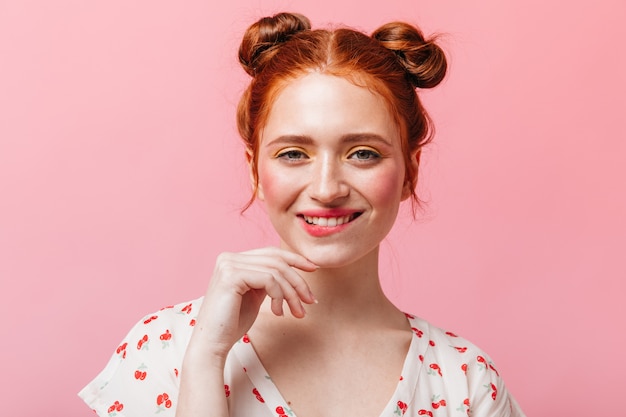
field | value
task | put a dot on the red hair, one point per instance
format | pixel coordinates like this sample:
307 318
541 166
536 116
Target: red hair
392 62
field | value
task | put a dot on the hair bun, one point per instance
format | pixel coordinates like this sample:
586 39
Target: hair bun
261 39
424 61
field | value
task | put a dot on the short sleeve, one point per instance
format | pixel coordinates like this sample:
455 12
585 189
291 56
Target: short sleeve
141 378
488 394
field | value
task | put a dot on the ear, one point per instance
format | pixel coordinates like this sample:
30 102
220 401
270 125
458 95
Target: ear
256 188
410 183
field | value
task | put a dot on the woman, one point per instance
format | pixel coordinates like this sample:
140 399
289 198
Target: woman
333 129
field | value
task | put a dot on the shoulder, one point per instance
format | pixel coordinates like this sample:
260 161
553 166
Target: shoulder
143 370
457 366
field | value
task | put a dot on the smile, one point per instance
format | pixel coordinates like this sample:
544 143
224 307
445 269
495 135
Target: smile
330 221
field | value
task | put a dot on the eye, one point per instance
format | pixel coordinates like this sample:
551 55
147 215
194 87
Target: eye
292 155
364 155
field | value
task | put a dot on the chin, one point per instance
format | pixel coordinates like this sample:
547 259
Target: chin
332 258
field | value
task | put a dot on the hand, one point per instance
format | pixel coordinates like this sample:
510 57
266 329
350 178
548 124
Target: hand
240 283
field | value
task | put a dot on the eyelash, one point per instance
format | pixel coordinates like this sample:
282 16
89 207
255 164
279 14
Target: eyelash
371 154
366 155
292 155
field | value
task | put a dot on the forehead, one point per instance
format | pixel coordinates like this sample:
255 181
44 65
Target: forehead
325 105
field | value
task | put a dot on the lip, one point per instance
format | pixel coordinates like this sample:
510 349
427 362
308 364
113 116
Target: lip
331 218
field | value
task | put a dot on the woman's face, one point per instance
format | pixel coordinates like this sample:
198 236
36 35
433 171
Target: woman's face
331 169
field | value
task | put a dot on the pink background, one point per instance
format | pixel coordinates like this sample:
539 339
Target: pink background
121 176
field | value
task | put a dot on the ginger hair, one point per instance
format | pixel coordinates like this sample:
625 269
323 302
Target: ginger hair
393 62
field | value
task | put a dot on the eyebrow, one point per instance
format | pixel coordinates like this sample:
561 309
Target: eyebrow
348 138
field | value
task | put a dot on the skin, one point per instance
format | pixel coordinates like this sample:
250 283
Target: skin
329 149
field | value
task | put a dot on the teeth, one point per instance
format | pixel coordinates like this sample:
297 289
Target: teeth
328 221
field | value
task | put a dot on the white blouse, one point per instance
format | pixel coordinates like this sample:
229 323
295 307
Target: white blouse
442 375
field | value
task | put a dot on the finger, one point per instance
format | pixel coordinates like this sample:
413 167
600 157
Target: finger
288 291
285 270
291 258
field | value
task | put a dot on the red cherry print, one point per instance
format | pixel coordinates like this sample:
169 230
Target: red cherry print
436 367
440 403
140 375
402 406
494 394
186 309
409 316
142 342
451 334
122 349
481 360
166 307
417 332
494 369
466 402
401 377
150 319
460 349
280 410
246 339
258 396
166 336
464 368
432 343
227 390
425 412
116 406
164 400
192 322
176 371
421 358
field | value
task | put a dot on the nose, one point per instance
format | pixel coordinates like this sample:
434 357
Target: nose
328 183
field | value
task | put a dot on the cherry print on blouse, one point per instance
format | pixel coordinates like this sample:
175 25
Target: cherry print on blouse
409 316
140 374
227 390
121 350
459 349
483 364
464 368
283 411
176 372
417 332
149 319
187 309
494 390
465 406
451 334
115 408
425 413
434 369
257 395
165 338
401 408
245 338
166 307
163 402
436 402
432 343
192 322
421 357
143 343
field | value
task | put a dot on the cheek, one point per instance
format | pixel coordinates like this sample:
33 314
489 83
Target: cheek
386 186
272 185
